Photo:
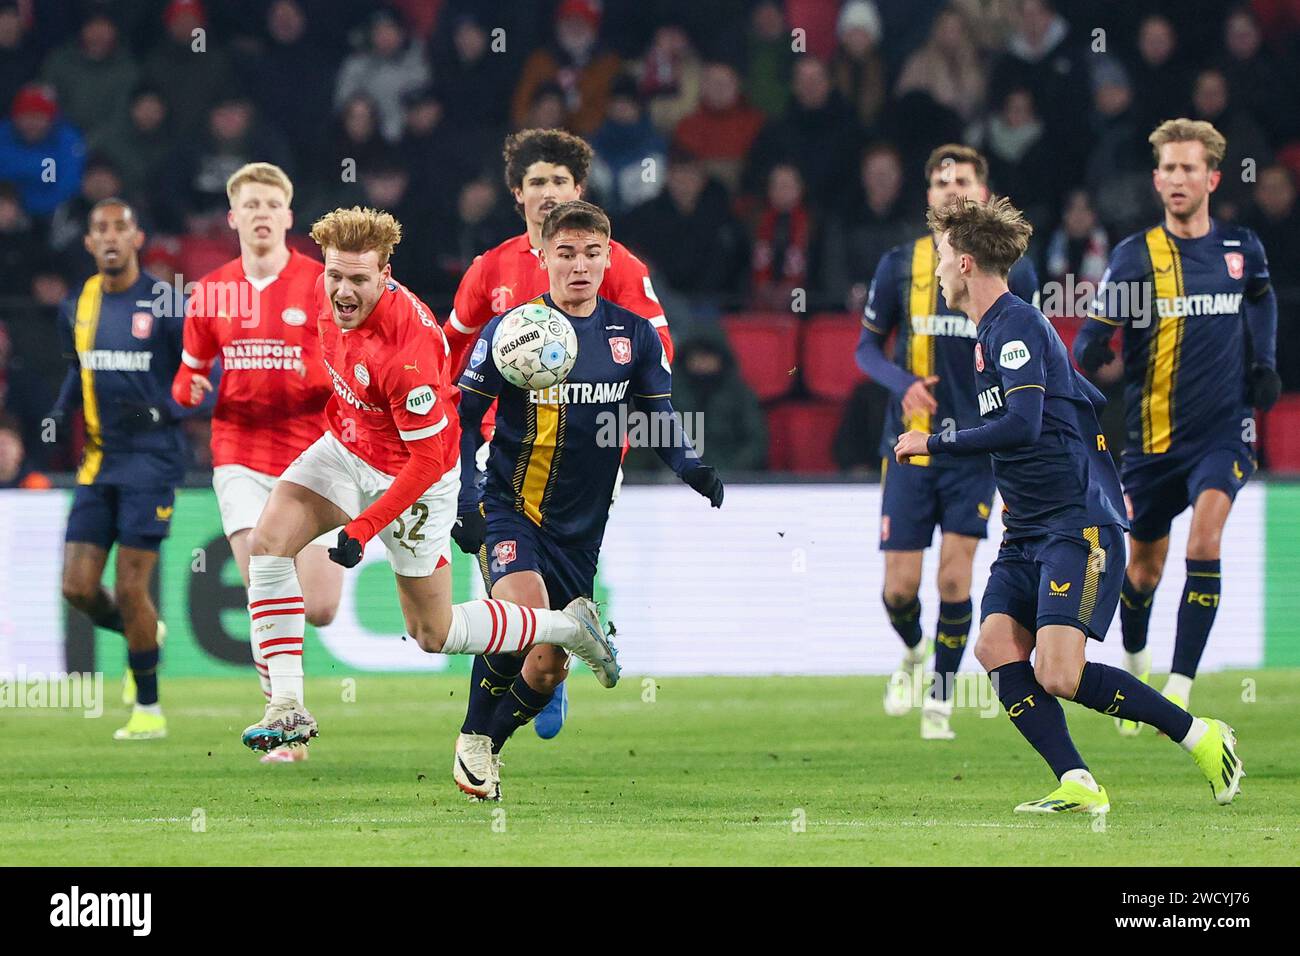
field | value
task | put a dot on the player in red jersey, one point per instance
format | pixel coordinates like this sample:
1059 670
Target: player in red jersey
388 467
252 314
544 167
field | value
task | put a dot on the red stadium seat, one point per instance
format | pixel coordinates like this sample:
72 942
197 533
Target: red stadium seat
1067 327
1280 435
800 435
766 349
199 256
829 341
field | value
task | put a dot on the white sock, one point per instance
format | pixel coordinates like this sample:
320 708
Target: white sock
500 627
914 655
1194 734
155 709
263 674
1139 663
1081 776
1179 686
276 622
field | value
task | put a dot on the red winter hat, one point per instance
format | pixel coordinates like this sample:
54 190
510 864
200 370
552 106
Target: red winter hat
36 98
178 7
588 10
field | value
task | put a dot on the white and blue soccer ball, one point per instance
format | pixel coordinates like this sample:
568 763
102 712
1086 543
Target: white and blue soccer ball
534 347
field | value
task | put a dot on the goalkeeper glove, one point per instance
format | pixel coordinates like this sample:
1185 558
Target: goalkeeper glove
706 481
348 551
1265 387
470 529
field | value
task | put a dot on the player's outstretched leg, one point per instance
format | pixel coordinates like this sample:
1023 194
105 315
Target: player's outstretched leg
1134 619
277 620
144 635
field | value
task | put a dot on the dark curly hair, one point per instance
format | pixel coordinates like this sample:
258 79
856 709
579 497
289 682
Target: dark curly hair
553 146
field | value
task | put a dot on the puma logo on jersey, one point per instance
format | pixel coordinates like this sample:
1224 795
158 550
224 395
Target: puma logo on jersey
1060 590
413 367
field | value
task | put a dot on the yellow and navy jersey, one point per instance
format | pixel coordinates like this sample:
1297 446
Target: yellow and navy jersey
123 349
1182 305
932 338
556 452
1065 480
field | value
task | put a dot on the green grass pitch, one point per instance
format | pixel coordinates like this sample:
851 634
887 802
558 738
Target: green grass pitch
711 771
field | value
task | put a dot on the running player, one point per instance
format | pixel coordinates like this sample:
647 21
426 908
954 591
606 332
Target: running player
253 313
388 467
543 167
1196 362
551 470
933 387
123 343
1056 579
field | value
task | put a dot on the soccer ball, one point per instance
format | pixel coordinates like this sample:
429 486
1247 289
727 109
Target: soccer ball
534 347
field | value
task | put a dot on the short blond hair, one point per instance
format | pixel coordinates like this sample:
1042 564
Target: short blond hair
994 233
268 174
1184 130
358 230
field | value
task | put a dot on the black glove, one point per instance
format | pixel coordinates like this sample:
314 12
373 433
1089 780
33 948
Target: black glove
470 529
1265 387
1095 354
706 481
349 550
141 417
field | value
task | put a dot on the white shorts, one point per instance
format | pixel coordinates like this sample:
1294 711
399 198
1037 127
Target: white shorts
416 540
242 493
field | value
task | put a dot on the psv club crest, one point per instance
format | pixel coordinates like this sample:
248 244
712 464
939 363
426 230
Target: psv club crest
141 324
620 348
1236 264
979 358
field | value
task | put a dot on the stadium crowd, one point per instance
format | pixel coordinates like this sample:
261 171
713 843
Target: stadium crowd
759 155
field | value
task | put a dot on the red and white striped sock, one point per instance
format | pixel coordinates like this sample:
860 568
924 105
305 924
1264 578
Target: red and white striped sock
500 627
276 621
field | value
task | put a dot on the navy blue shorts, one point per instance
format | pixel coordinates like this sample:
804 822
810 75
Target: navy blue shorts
914 498
1066 577
514 543
1158 488
132 517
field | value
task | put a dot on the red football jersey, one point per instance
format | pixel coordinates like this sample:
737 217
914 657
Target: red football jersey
391 381
273 386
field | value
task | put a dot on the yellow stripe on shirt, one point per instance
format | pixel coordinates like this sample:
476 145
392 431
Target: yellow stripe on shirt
83 334
1164 346
921 300
541 455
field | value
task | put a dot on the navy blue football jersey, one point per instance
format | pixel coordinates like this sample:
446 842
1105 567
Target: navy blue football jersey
1066 480
556 452
932 338
1186 344
127 350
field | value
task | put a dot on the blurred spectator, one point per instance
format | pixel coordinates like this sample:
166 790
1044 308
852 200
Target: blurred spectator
859 233
15 472
1257 78
390 65
546 111
782 241
25 397
1159 75
768 58
687 234
732 432
1118 172
19 61
452 156
68 225
355 147
475 82
138 145
721 132
40 152
631 156
386 184
856 447
284 76
671 74
858 67
1042 56
192 80
482 222
948 67
579 65
1022 163
196 187
1078 248
1246 142
93 75
1275 218
817 134
18 240
991 22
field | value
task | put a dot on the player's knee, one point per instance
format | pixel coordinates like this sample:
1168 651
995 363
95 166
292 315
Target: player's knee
79 594
1059 678
130 597
991 653
320 614
898 595
1204 545
953 586
1145 573
428 636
